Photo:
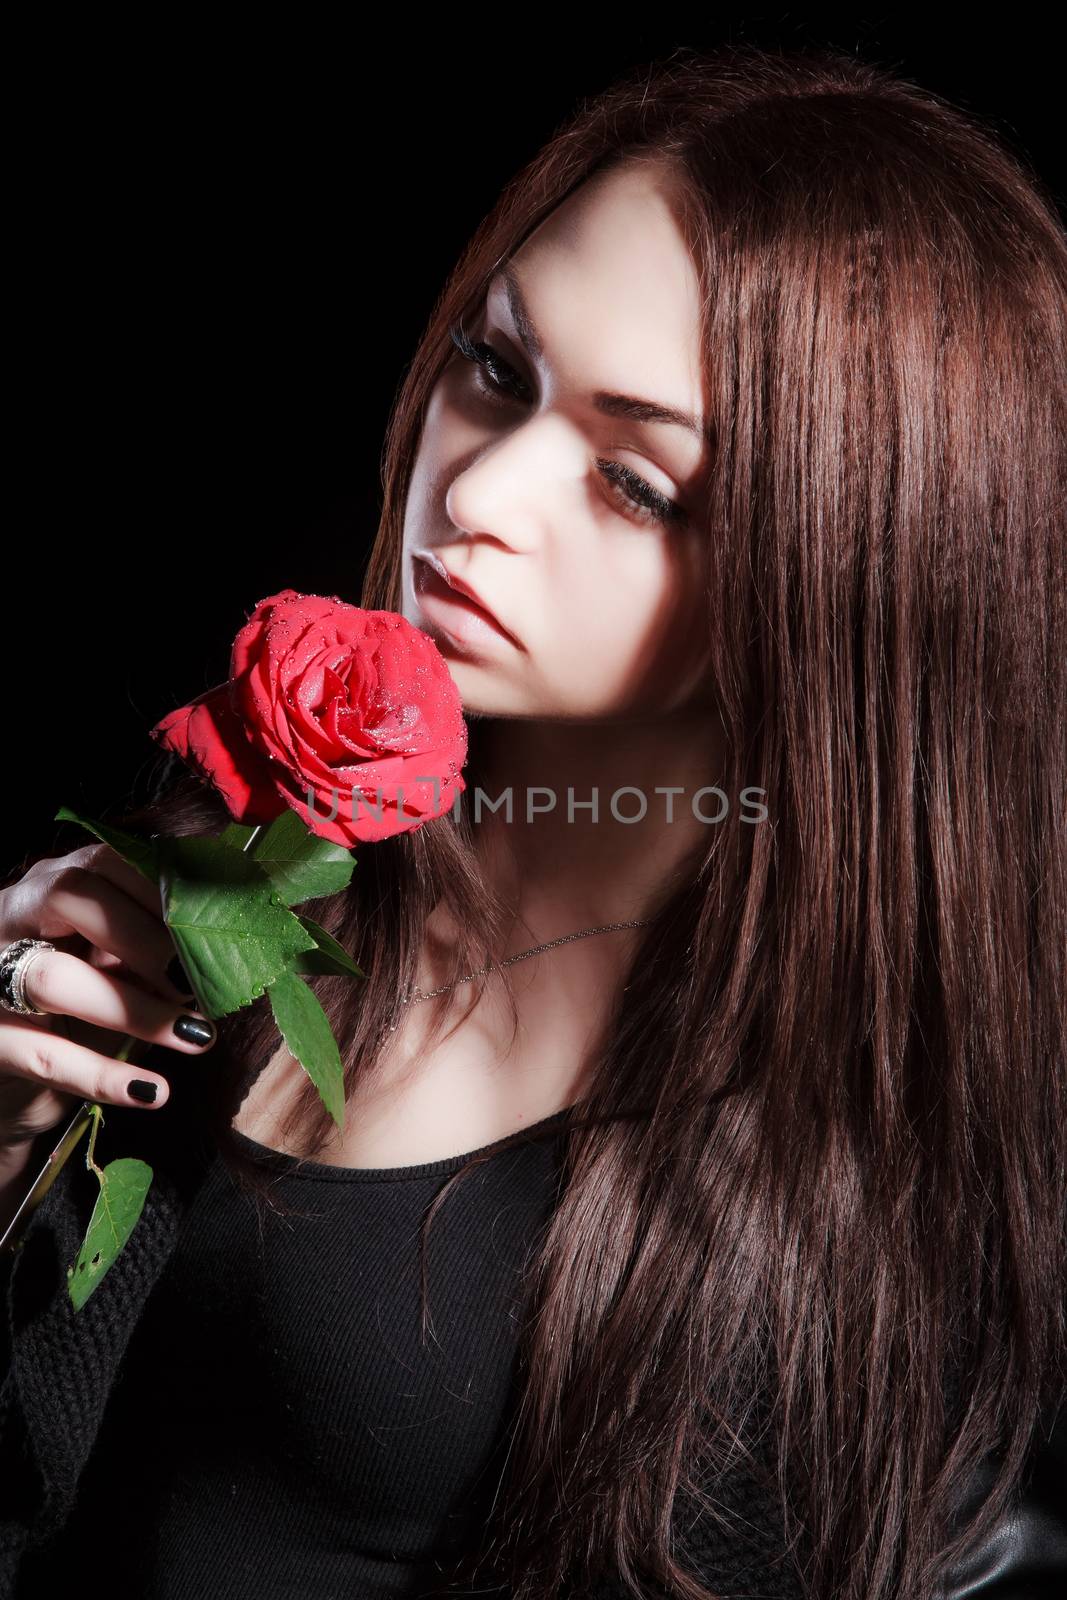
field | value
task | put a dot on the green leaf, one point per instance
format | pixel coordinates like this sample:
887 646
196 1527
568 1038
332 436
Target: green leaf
306 1030
237 835
233 935
329 956
300 864
123 1187
140 853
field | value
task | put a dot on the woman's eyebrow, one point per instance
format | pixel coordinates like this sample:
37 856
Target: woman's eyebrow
606 401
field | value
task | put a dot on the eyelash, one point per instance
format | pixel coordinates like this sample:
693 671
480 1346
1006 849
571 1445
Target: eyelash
643 502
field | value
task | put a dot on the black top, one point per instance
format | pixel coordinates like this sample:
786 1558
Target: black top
278 1426
256 1414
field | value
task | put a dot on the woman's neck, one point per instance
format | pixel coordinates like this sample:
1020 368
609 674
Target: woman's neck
563 865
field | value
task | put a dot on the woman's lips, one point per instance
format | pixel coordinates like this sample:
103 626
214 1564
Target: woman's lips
460 616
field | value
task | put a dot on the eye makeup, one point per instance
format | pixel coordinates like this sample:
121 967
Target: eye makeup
497 381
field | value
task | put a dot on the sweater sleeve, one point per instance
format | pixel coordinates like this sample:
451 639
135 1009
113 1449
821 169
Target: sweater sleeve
7 1262
61 1362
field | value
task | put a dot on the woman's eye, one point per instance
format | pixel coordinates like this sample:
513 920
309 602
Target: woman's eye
497 381
487 361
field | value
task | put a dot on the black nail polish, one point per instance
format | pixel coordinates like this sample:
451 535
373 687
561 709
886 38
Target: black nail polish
141 1089
178 976
194 1030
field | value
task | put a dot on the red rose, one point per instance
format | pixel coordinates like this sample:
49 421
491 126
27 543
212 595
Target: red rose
358 707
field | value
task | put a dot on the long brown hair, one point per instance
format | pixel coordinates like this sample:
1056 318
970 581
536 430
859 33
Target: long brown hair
816 1199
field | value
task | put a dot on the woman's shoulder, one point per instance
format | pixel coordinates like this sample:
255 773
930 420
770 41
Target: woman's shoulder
1024 1551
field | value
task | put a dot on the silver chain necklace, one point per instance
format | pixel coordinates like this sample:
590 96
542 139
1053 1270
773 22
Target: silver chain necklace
413 996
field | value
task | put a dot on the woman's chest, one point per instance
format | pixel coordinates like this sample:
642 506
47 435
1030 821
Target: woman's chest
429 1100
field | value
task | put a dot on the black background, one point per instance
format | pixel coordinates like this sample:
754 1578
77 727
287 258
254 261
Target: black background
225 247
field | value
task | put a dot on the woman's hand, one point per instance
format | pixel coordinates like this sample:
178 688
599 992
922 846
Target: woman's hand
106 978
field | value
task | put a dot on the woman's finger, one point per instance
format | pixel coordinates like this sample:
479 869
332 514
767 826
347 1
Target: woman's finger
102 859
40 1069
64 985
90 904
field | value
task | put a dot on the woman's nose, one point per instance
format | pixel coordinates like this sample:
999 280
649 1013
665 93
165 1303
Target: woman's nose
519 487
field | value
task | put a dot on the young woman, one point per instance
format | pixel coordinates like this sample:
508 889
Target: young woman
729 479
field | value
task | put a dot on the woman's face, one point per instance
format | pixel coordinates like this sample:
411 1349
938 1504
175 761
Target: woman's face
528 484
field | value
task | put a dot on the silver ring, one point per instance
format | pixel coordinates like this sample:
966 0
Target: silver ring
14 960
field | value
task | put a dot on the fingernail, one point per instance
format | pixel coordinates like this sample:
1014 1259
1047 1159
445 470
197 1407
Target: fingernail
194 1030
142 1089
178 976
